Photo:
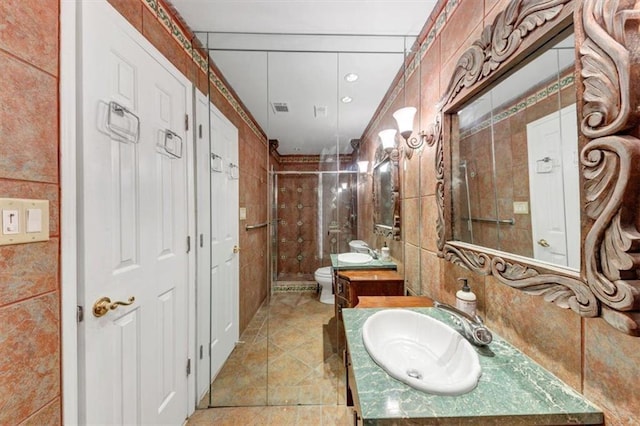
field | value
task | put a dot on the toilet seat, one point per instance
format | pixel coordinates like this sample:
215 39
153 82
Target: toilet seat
324 272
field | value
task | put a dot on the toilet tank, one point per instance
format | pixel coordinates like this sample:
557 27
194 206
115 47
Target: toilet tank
358 246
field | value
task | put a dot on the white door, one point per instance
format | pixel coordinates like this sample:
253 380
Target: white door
552 145
225 278
133 227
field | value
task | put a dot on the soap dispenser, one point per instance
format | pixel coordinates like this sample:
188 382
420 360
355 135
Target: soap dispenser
386 255
466 299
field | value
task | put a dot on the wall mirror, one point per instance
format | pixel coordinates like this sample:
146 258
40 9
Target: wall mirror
386 194
515 178
486 212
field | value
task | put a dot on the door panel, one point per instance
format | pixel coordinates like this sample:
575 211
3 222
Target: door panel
133 229
224 237
553 173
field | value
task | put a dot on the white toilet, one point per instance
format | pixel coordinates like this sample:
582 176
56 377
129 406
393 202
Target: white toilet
324 278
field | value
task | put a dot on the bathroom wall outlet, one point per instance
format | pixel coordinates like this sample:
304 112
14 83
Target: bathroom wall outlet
24 221
520 207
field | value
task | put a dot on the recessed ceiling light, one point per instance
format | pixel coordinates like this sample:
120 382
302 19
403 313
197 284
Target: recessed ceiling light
346 99
351 77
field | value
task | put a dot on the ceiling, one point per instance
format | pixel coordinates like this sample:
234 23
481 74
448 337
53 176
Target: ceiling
297 52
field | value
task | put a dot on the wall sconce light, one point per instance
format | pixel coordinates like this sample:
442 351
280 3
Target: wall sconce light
404 119
363 166
344 185
388 138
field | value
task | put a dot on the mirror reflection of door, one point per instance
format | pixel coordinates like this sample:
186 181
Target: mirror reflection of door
552 146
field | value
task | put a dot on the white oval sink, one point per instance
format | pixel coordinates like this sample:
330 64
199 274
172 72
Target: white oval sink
422 352
354 258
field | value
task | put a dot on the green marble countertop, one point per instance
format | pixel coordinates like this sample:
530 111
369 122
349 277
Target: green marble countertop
374 264
512 390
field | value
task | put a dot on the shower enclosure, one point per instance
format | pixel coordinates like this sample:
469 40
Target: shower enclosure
315 213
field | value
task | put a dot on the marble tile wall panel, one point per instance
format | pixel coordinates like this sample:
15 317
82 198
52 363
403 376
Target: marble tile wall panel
430 274
29 31
155 32
50 415
411 220
548 334
131 10
611 362
412 268
27 270
29 356
28 122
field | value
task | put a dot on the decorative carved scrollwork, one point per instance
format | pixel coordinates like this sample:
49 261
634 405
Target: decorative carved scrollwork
612 245
608 58
499 41
608 105
565 292
477 262
438 140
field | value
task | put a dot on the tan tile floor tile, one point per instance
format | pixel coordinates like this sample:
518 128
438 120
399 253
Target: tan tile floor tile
287 358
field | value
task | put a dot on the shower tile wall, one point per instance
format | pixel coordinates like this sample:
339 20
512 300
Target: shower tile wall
306 235
297 230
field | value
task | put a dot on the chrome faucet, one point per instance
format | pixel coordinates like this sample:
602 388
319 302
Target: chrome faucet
472 327
372 252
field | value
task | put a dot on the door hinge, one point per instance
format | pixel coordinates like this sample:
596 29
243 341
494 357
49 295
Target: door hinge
188 243
186 121
201 351
200 131
201 240
79 313
188 366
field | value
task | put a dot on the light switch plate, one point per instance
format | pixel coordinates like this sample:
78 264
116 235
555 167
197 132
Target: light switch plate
43 216
520 207
243 213
40 214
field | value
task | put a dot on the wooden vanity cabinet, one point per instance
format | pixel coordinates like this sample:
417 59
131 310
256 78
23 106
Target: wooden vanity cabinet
350 284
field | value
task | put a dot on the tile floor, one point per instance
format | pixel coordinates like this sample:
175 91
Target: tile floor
287 371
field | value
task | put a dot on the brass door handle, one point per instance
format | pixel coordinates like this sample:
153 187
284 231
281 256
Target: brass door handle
236 249
104 305
543 242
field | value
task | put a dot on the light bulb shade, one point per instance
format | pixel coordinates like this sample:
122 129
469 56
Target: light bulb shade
363 166
404 118
344 185
388 138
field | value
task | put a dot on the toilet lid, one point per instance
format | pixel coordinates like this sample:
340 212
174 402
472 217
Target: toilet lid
326 271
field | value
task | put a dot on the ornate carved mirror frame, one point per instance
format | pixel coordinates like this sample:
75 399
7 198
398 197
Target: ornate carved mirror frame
608 104
391 230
